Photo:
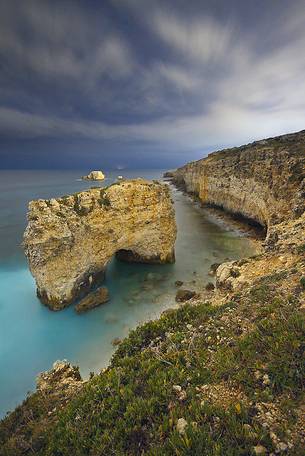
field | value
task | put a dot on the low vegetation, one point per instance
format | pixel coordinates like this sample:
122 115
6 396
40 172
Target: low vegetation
203 379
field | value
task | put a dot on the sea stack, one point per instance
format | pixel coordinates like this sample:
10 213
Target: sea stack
69 240
94 175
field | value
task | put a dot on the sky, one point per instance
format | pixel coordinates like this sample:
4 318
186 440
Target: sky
146 83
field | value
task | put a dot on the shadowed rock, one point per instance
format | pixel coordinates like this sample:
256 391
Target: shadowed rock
93 299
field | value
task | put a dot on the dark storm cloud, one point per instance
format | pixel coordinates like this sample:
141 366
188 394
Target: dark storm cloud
127 80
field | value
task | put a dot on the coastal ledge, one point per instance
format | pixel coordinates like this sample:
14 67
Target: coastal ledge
70 240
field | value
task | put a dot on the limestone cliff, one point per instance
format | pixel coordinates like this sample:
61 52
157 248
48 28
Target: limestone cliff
69 240
263 181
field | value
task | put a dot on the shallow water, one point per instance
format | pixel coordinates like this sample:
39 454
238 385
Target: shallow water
32 337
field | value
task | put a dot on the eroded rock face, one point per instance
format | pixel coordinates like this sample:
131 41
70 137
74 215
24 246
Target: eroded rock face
263 181
69 240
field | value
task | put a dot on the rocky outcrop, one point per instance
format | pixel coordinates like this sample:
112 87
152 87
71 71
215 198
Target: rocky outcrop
69 240
262 181
94 175
92 300
284 251
185 295
63 377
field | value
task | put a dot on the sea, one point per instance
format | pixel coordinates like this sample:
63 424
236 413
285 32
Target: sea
32 337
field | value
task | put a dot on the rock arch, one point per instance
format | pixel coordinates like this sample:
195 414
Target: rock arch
69 240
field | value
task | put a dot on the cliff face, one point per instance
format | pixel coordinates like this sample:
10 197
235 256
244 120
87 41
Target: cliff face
263 181
69 240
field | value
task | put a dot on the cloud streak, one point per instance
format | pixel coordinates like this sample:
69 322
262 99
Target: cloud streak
182 82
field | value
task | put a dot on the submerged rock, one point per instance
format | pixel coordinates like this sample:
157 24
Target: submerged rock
94 299
94 175
70 240
185 295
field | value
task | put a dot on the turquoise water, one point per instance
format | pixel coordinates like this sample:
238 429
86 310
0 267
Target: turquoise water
32 337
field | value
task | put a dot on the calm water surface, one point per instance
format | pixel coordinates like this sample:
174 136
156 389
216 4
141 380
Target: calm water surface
32 337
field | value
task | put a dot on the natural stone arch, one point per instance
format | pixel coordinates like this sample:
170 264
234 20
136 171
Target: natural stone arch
69 240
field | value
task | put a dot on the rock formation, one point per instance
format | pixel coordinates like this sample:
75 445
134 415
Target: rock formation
263 181
93 299
62 378
95 175
69 240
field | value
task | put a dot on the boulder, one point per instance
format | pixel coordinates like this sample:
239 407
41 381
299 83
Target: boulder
93 299
184 295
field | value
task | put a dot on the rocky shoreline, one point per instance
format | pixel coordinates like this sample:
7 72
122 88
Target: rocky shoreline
222 374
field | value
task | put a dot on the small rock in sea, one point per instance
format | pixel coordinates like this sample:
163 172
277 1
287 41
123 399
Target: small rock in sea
181 425
178 283
94 175
93 299
153 276
259 449
111 318
210 286
116 341
184 295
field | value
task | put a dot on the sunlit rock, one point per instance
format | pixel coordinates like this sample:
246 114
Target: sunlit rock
95 175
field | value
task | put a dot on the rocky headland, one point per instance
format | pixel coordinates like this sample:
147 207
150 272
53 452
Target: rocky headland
224 373
262 181
70 240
